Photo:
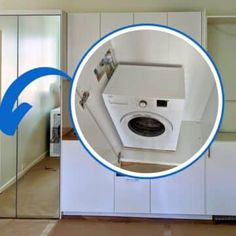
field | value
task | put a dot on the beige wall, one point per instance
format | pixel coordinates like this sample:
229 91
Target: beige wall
213 6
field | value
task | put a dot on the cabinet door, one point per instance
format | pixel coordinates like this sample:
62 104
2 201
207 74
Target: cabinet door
182 54
188 22
112 21
221 179
132 195
82 33
8 73
151 17
181 193
131 48
86 186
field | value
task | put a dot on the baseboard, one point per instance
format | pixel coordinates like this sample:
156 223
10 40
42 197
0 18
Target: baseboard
10 182
65 214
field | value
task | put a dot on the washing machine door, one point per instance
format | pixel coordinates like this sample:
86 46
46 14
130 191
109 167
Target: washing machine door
146 126
144 129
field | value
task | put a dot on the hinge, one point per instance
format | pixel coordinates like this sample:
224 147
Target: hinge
119 157
107 66
84 98
209 153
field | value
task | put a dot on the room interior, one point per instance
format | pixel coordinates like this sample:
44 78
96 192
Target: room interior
73 193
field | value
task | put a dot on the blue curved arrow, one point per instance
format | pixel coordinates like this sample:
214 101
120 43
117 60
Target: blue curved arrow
9 119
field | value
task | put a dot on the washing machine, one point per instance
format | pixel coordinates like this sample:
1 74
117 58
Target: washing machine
146 105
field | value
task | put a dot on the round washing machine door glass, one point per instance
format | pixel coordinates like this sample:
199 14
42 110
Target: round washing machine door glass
146 126
145 130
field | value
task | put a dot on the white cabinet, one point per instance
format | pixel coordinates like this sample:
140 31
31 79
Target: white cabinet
92 187
151 17
184 192
181 193
132 195
83 31
188 22
112 21
221 179
86 186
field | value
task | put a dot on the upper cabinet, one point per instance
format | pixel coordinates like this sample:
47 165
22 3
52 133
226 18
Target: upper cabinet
151 17
112 21
188 22
83 31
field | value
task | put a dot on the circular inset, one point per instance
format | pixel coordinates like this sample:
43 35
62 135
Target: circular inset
173 74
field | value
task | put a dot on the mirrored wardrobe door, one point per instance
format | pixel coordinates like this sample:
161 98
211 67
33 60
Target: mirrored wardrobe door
8 148
38 172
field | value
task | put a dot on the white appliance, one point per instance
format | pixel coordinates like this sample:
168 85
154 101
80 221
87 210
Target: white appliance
55 126
146 105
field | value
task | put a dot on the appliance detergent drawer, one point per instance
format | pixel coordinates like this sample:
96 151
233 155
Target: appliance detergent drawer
132 195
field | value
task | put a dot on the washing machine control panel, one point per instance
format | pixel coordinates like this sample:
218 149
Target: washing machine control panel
162 103
142 103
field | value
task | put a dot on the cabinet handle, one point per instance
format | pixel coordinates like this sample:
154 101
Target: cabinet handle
128 179
132 179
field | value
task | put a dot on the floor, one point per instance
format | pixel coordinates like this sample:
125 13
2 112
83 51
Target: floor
26 227
34 197
136 227
114 227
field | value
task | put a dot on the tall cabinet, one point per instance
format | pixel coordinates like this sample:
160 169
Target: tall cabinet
182 193
94 190
28 40
221 161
